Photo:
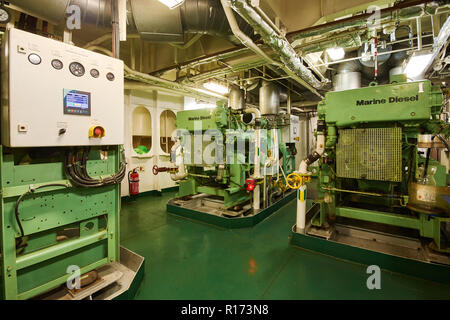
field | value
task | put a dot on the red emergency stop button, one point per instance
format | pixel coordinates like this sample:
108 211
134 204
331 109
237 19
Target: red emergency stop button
96 132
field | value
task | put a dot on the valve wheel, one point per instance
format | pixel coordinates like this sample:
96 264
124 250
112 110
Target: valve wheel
155 170
293 181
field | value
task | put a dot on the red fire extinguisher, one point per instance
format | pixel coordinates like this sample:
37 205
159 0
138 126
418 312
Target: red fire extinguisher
133 182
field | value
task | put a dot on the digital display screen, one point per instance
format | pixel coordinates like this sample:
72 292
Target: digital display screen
77 102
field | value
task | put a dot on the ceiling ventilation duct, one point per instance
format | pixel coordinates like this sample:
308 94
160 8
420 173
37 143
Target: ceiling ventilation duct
150 18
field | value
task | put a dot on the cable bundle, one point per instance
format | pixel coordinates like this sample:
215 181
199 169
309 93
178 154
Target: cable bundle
75 169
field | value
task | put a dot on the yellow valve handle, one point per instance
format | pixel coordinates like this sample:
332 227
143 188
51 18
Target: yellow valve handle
293 181
296 180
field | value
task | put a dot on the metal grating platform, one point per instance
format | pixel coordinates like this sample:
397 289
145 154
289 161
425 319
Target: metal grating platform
371 153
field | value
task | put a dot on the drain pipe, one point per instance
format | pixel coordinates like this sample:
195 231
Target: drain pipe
246 41
303 169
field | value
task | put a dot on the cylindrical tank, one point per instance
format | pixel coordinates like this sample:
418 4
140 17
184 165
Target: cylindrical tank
347 81
348 77
236 98
269 98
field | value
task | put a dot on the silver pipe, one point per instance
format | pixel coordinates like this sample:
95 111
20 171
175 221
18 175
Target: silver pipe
379 54
151 19
155 81
440 42
115 28
246 41
419 33
287 53
268 20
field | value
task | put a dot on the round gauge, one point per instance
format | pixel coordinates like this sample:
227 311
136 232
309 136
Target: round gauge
95 73
57 64
110 76
34 59
76 69
5 16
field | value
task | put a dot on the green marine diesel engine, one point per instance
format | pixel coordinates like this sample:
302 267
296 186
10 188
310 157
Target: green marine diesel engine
375 168
235 158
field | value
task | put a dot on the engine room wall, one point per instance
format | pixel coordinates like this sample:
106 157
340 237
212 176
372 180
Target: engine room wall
155 103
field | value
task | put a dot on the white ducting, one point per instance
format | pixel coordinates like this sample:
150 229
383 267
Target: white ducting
153 20
288 55
246 41
439 42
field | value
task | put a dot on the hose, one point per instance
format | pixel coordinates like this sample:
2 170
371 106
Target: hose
75 167
444 142
32 190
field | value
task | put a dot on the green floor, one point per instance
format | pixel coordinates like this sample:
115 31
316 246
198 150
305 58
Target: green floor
190 260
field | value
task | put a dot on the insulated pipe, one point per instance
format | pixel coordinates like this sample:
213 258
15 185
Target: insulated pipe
181 174
246 41
257 169
253 110
151 19
439 42
303 169
287 53
170 85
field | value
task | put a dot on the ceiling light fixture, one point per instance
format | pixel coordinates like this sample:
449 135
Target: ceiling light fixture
417 64
172 4
336 53
216 87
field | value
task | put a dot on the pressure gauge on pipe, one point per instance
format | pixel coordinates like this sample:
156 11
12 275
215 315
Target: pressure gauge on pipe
76 69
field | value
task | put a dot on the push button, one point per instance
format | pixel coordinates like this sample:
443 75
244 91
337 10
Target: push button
96 132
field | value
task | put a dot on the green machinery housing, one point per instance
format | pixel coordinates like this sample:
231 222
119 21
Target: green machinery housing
232 170
372 169
61 163
60 225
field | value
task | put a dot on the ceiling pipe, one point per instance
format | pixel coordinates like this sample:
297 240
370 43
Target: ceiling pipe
288 55
150 18
246 41
166 85
405 11
439 42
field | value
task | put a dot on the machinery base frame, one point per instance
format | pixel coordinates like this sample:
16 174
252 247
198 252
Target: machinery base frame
408 255
225 222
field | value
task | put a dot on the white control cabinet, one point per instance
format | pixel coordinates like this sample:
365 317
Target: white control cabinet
291 133
55 94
